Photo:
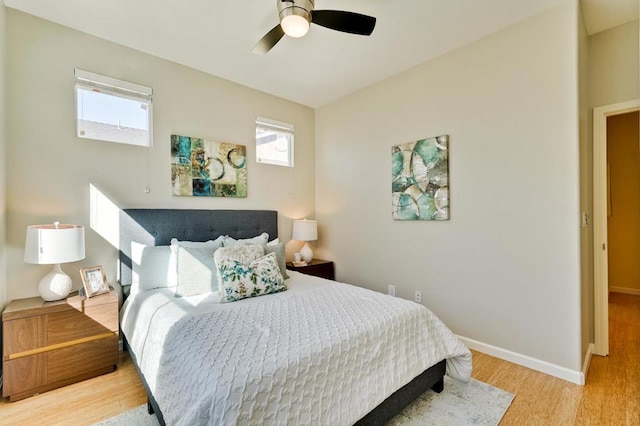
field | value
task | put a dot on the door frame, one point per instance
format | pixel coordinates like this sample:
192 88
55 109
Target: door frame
600 246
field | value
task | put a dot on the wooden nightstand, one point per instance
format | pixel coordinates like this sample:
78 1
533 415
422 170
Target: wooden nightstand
317 267
47 345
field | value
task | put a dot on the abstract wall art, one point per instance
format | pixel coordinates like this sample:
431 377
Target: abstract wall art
203 168
420 179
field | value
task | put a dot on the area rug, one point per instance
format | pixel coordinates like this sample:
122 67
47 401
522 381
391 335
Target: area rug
473 403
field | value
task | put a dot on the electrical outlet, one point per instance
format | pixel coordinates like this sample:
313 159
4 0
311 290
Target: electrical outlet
391 290
418 296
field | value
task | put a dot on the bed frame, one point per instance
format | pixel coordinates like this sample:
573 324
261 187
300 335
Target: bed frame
158 226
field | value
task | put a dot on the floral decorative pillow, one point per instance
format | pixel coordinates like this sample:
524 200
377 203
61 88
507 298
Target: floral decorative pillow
243 254
241 280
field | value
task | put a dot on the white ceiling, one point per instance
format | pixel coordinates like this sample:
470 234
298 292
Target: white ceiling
601 15
216 36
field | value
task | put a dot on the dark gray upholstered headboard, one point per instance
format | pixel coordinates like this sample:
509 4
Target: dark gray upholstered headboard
156 227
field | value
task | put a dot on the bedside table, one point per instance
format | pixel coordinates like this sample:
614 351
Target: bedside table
317 268
47 345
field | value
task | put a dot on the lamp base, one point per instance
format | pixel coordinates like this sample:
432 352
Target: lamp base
56 285
306 253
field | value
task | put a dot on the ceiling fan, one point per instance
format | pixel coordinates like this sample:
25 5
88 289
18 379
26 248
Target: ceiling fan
297 15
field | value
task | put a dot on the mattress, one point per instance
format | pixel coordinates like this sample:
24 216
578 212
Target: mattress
321 352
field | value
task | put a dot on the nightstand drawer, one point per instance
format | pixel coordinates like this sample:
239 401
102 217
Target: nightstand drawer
317 268
24 373
22 335
80 359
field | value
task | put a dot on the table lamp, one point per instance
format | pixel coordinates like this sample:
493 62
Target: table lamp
305 230
52 245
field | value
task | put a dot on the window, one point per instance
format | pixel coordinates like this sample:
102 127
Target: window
274 142
112 110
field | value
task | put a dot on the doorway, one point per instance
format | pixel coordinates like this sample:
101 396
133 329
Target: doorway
600 204
623 222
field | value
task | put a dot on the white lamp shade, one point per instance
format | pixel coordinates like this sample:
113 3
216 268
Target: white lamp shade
54 243
305 230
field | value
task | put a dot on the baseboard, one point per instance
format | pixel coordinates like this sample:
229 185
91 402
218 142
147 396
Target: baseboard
577 377
625 290
587 361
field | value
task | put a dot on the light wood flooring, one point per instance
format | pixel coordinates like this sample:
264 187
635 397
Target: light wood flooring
610 397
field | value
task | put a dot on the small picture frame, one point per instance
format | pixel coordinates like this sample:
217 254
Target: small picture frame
94 281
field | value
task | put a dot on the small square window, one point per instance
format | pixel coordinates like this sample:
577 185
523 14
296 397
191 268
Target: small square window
112 110
274 142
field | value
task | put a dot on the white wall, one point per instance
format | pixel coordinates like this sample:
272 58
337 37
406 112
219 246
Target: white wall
614 65
505 270
3 199
50 170
586 187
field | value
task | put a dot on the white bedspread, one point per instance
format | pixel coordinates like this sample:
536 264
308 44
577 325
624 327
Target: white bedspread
319 353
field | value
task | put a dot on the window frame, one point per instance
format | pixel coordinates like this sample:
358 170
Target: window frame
281 128
88 81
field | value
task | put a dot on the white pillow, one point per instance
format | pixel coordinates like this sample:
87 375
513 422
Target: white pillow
278 249
152 267
196 271
271 246
214 244
260 240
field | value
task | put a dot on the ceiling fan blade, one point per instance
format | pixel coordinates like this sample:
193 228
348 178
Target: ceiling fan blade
269 40
347 22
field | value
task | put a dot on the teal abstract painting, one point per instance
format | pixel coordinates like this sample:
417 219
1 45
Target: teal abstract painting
202 168
420 179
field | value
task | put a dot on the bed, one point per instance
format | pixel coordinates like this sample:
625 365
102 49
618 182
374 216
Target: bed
320 352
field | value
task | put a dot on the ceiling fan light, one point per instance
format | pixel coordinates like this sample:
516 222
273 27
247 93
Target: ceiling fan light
294 25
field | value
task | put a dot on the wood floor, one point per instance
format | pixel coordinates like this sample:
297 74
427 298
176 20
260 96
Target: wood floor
610 397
